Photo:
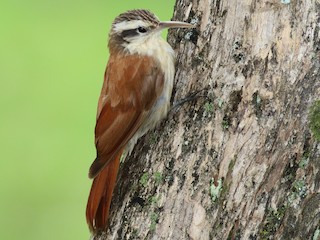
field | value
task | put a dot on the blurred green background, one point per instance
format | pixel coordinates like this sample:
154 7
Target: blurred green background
52 60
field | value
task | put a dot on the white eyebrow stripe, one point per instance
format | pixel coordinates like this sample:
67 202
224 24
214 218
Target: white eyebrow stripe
129 25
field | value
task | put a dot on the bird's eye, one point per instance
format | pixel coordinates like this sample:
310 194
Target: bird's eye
142 30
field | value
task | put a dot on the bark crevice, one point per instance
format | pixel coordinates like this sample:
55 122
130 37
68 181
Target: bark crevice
259 65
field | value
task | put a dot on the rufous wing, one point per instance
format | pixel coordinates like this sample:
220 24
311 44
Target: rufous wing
132 85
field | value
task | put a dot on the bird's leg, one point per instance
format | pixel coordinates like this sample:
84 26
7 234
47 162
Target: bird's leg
191 97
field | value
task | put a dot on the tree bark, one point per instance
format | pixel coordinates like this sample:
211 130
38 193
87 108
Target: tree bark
241 161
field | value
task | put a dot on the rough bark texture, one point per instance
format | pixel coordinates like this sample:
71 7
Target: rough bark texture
240 162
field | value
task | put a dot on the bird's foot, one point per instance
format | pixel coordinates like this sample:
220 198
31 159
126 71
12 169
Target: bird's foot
191 97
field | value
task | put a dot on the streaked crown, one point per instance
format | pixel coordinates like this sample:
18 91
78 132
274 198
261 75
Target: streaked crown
137 15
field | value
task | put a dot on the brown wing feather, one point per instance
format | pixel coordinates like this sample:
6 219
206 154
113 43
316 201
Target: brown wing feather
132 85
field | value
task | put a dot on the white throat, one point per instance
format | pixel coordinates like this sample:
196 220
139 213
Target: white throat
154 46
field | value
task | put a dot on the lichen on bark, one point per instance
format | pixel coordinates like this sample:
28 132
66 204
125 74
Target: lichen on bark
258 65
314 118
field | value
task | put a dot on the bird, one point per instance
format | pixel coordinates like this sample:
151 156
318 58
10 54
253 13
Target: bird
135 96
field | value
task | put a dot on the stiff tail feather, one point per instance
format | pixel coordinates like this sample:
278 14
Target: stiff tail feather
101 194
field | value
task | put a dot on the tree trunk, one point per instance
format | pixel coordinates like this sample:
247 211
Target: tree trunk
242 160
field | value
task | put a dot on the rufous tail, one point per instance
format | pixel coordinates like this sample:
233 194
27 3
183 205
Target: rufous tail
100 196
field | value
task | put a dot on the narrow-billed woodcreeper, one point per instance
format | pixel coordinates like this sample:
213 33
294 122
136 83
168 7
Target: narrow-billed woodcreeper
135 96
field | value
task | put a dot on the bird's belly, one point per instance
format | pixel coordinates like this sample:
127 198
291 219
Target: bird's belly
157 113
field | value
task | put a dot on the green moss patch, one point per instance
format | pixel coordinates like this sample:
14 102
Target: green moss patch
314 120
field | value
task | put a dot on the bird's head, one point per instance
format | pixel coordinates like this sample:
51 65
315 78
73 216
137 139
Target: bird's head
138 26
